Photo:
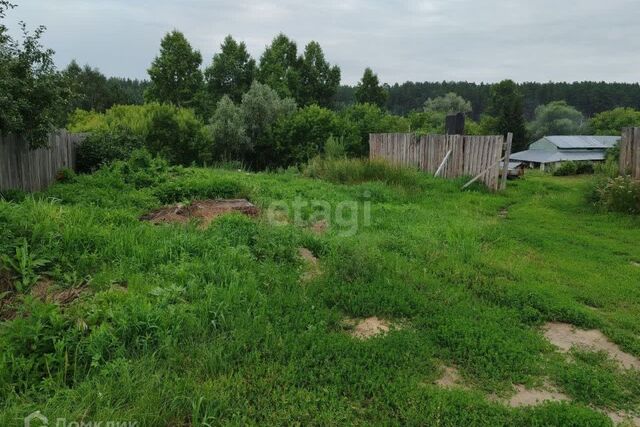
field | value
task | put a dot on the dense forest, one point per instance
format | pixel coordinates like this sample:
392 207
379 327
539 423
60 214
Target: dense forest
588 97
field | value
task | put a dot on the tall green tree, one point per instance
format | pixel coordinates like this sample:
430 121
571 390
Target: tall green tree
175 73
556 118
261 107
32 93
280 67
319 80
230 140
451 103
369 90
612 122
506 107
231 72
89 88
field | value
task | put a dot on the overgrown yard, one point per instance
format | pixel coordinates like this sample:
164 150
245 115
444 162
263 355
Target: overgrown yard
438 311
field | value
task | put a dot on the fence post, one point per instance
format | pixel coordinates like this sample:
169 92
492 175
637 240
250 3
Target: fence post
635 161
507 156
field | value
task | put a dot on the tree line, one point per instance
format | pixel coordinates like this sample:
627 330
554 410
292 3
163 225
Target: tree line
276 110
588 97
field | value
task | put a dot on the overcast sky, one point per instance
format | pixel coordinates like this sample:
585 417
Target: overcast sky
418 40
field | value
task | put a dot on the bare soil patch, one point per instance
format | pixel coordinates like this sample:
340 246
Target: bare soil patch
564 336
531 397
624 419
45 291
367 328
320 227
450 378
204 211
313 268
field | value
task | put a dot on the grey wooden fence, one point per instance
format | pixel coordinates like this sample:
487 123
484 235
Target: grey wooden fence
468 155
34 170
630 152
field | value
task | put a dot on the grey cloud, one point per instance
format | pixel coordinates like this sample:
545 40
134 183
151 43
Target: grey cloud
416 40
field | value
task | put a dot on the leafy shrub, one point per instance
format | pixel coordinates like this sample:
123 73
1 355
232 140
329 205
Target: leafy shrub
13 195
25 264
566 169
172 132
105 146
584 168
364 119
65 175
143 170
297 138
334 148
620 194
573 168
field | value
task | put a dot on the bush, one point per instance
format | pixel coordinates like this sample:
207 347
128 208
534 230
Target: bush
334 148
584 168
13 195
364 119
574 168
171 132
66 175
104 146
143 170
297 138
620 194
566 169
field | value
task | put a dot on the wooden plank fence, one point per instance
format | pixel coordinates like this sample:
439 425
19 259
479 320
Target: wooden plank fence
34 170
630 152
469 155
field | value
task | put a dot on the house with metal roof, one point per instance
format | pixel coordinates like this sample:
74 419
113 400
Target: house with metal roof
552 150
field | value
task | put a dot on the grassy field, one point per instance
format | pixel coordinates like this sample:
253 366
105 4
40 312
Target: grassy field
181 324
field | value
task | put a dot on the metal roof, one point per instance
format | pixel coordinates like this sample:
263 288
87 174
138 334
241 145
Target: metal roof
582 141
542 156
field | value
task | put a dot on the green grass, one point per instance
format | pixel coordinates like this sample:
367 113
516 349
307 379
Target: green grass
215 327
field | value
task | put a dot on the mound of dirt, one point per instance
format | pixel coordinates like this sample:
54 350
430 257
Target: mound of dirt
367 328
565 336
204 211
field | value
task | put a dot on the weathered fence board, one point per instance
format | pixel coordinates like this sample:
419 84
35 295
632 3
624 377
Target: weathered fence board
470 155
34 170
630 152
